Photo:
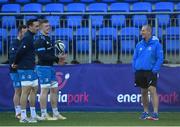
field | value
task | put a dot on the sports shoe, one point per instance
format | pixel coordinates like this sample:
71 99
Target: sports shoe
32 120
38 118
154 116
26 120
48 117
59 116
18 116
144 116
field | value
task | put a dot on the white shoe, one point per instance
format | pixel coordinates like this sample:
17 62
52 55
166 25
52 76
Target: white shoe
59 116
26 120
48 117
38 118
32 120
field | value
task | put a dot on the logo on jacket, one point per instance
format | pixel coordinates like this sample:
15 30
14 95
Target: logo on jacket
149 48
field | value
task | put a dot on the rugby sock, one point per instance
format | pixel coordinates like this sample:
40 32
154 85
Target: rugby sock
55 111
23 114
43 112
18 109
33 112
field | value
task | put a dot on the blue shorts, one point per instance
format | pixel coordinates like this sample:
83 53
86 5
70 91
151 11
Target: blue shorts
47 76
16 80
28 77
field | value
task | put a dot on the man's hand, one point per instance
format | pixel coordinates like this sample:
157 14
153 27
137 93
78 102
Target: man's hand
14 66
62 59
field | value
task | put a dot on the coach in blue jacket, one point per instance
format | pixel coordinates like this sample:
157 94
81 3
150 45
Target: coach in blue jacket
147 60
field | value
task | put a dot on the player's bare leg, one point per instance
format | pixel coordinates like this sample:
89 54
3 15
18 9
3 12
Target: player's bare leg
154 97
54 99
23 101
144 99
32 100
16 100
43 101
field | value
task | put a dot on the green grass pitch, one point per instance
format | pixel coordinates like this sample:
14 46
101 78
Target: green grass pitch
97 119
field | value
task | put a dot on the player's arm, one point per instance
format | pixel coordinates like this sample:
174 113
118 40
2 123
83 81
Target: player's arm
159 57
26 44
42 52
134 59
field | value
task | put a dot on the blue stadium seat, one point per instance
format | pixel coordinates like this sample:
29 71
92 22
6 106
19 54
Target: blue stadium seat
54 7
139 20
13 33
160 32
8 21
87 1
119 7
3 1
65 1
142 7
64 34
23 1
53 20
131 0
82 39
75 21
107 36
119 20
3 34
178 6
172 39
44 1
32 7
97 21
164 20
128 38
108 1
11 8
164 6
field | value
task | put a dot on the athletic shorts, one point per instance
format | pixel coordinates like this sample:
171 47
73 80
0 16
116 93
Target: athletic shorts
144 79
47 76
16 80
28 78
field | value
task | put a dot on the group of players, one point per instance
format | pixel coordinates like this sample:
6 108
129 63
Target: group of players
27 75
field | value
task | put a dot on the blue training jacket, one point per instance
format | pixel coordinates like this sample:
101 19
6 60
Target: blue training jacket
148 55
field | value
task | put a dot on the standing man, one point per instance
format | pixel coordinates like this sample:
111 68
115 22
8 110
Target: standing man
25 61
147 60
13 72
46 73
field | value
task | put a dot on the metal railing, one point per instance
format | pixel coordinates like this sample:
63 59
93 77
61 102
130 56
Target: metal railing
107 39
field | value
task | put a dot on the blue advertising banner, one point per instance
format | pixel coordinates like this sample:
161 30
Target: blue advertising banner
100 87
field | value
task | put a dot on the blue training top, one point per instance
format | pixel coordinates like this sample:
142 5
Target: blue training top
148 55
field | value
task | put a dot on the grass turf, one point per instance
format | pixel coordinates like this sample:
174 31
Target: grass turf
97 119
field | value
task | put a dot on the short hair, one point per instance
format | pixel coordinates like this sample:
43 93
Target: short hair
21 27
31 21
41 21
148 27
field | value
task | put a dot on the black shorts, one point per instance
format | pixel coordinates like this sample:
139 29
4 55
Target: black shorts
144 79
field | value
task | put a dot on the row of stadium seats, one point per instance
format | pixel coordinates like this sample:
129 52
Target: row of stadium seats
106 38
110 31
94 7
84 1
96 20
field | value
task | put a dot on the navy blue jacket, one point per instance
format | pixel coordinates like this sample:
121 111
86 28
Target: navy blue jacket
148 55
45 51
25 57
12 52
